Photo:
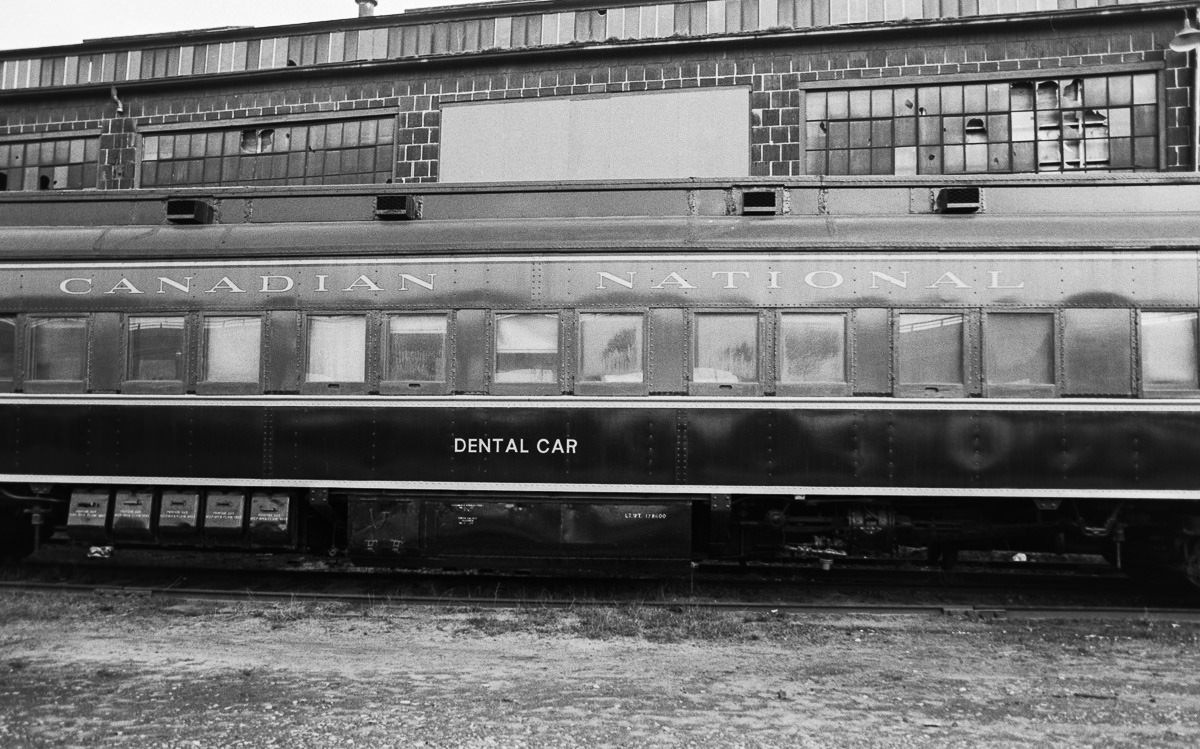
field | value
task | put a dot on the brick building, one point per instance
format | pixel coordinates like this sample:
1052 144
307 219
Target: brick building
588 89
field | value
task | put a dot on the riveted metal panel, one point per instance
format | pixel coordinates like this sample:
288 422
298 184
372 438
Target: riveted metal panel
282 347
666 353
871 368
471 348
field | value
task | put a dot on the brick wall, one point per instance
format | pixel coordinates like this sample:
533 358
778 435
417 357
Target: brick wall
775 70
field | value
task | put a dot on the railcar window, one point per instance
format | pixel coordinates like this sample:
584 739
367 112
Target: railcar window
156 348
726 348
813 348
527 348
1094 123
930 349
610 347
8 346
1019 349
414 348
1169 360
58 348
337 348
232 349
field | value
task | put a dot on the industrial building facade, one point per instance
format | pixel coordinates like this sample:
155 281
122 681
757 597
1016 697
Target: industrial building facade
594 90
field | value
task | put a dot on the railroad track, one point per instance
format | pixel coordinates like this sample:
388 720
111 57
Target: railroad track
978 594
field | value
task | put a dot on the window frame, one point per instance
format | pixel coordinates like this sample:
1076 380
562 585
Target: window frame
1051 390
417 387
335 387
131 385
223 387
843 388
733 389
31 385
932 389
613 388
526 388
1142 391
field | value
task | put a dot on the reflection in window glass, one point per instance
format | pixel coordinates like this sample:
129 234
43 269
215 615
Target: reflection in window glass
1020 349
156 348
232 348
8 346
527 348
1169 351
726 348
610 348
813 348
337 348
931 348
415 348
57 348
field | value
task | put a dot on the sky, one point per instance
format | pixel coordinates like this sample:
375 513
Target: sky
40 23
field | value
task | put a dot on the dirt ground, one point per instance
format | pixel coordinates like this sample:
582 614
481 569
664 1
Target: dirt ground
95 672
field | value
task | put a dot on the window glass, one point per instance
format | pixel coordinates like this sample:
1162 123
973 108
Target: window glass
337 348
931 348
232 349
8 346
726 348
156 348
1097 123
58 348
813 348
610 348
527 348
1169 351
415 348
1020 349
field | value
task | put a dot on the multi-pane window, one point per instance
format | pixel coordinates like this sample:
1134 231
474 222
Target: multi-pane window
726 348
63 164
812 348
337 349
1168 343
930 349
1095 123
414 348
610 348
232 349
1019 349
341 152
57 348
156 348
527 348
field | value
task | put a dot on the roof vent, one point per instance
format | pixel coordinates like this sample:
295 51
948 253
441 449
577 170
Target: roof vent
190 211
960 200
759 203
397 207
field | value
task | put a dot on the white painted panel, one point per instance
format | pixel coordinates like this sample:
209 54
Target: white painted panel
644 135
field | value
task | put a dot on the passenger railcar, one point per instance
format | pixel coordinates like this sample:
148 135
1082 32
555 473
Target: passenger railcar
609 376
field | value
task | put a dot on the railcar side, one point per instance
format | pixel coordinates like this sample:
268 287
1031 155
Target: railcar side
617 410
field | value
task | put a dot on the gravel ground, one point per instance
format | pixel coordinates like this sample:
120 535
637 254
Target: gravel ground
94 672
